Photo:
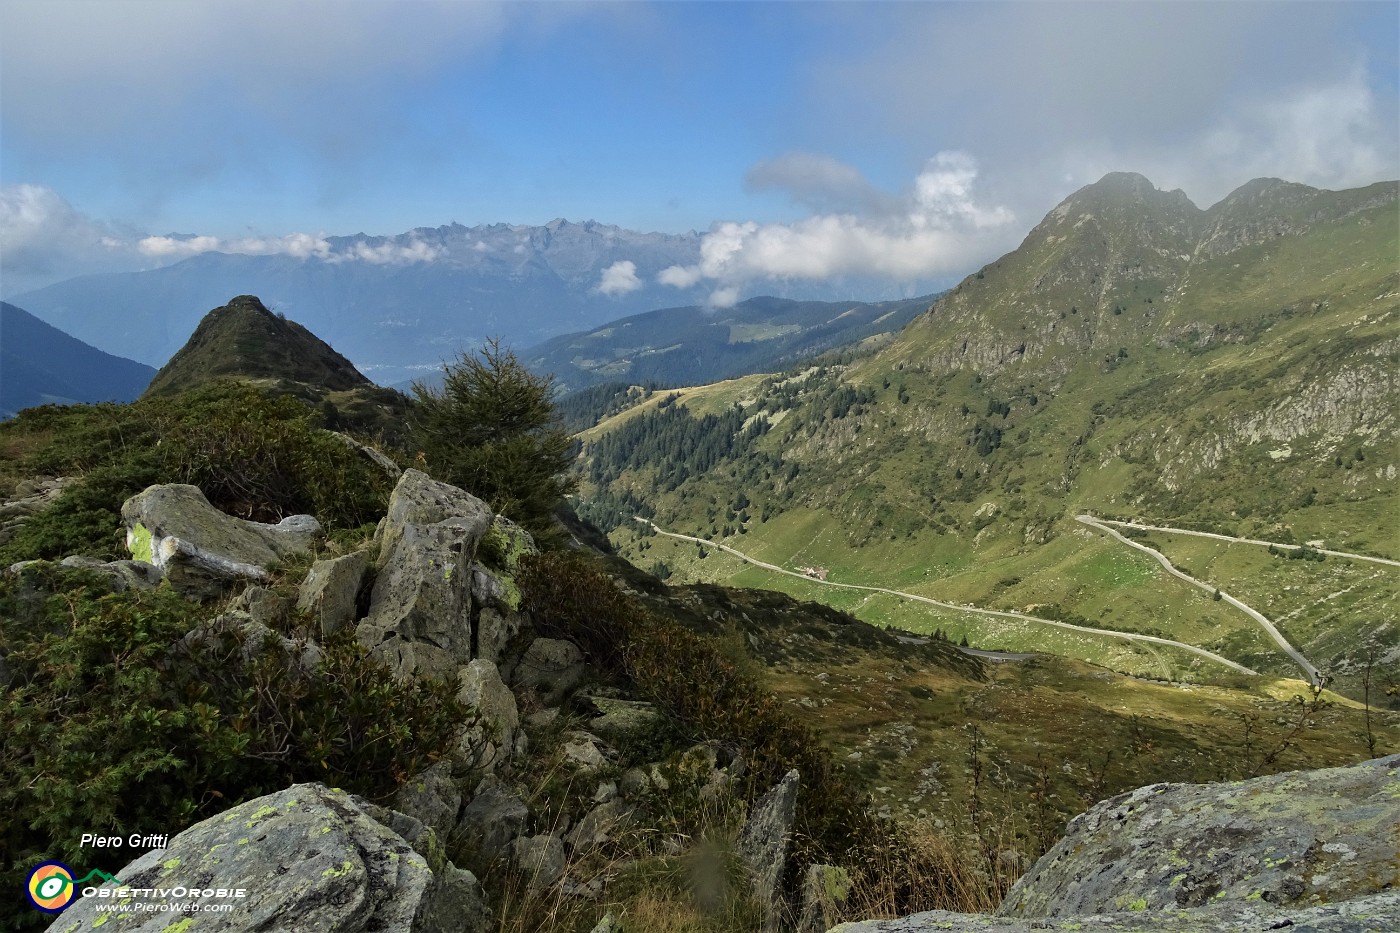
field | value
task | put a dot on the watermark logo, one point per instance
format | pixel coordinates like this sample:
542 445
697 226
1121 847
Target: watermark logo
51 887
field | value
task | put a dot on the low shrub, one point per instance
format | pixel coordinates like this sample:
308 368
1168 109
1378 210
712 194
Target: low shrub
115 722
253 456
688 676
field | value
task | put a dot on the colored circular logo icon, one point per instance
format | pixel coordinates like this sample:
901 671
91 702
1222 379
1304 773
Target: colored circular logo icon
51 887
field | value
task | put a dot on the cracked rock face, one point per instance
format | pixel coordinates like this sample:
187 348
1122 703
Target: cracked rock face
310 859
419 618
1288 840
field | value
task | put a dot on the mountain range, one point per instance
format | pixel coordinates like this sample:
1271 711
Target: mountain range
398 306
1231 370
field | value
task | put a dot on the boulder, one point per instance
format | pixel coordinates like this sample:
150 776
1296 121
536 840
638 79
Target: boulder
493 820
307 859
624 721
552 668
539 860
123 574
583 752
432 798
490 738
1287 839
420 500
1376 913
763 846
600 825
419 620
264 605
331 590
200 549
825 889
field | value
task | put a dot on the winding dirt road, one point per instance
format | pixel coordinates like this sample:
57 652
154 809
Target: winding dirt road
1273 544
1313 674
1127 636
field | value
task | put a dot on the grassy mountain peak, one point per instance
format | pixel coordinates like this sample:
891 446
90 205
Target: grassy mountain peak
243 339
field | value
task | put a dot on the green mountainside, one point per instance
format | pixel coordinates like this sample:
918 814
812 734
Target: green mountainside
1231 370
693 345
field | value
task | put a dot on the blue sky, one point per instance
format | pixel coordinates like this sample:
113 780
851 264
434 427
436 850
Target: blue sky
860 129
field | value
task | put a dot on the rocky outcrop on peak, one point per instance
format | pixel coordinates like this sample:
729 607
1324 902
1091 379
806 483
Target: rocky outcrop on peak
304 859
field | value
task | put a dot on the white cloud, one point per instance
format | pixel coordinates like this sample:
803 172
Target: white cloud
166 247
296 245
389 253
619 278
43 238
679 276
819 183
937 228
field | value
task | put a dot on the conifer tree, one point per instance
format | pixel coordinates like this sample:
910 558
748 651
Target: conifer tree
492 430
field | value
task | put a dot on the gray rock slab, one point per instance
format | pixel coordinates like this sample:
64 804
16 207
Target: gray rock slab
763 845
310 859
331 590
419 620
1376 913
539 860
494 819
1294 838
199 548
433 798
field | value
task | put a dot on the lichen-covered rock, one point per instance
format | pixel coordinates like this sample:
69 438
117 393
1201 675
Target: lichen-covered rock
1376 913
419 620
493 820
200 549
622 721
432 798
1287 839
539 860
420 500
331 590
825 889
489 739
551 667
309 859
763 845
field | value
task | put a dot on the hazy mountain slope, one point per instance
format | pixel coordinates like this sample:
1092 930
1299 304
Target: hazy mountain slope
692 345
1232 369
40 363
